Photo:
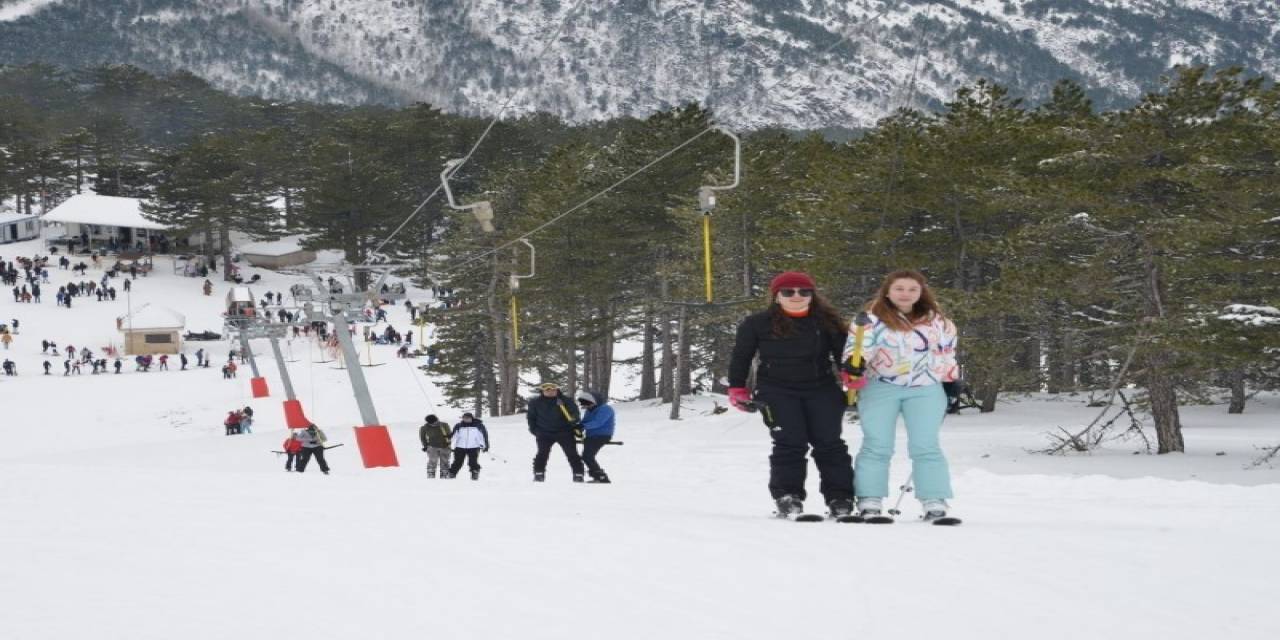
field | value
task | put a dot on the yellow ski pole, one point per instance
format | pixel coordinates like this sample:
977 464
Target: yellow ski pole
855 358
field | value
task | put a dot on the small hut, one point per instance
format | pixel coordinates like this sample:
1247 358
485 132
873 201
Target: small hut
152 330
16 228
285 252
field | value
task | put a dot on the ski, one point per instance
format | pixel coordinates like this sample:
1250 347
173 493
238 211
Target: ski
878 519
852 518
944 521
808 517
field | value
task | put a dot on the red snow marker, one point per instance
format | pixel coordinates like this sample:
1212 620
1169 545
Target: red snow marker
259 386
293 416
375 445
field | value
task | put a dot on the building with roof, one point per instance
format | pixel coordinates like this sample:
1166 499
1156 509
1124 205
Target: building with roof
95 222
152 329
16 227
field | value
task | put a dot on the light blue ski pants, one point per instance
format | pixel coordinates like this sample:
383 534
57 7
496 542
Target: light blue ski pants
922 408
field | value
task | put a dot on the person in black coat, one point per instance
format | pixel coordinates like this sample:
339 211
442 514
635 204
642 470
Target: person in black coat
553 421
800 340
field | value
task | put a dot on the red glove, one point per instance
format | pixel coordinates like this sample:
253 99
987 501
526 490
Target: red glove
739 397
851 382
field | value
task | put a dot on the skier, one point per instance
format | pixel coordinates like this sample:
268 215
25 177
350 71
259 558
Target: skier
292 448
435 441
200 357
597 425
46 367
313 440
208 287
232 423
182 360
164 362
117 364
469 439
798 339
909 349
6 338
246 420
552 421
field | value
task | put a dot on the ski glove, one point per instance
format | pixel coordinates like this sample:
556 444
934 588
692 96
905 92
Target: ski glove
851 382
579 434
740 398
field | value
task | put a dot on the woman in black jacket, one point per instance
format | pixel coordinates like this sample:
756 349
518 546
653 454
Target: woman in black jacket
799 340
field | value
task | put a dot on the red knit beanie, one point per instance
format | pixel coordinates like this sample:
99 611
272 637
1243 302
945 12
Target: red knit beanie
793 279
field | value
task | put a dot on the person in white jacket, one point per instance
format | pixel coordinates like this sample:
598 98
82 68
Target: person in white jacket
909 350
469 439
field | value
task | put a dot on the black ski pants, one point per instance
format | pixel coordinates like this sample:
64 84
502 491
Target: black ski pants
566 442
590 447
291 459
799 420
307 453
471 456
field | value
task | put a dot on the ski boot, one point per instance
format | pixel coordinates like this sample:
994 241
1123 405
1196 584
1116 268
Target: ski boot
599 478
475 475
870 509
790 507
841 510
431 473
577 477
935 512
539 476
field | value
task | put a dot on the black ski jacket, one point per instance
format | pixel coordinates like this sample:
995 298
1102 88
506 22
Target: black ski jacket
435 434
546 418
804 360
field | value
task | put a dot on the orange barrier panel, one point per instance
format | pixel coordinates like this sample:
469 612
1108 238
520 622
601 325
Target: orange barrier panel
293 416
259 386
375 445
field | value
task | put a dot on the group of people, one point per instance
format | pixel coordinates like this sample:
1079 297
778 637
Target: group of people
553 421
898 368
301 446
239 421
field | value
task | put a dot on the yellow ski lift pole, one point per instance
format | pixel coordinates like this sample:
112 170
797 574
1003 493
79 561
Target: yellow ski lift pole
855 358
515 286
707 202
483 210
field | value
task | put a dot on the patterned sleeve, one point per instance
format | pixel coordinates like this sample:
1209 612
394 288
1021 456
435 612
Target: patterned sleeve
946 352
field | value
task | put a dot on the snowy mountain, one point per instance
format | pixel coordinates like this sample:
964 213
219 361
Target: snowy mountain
631 57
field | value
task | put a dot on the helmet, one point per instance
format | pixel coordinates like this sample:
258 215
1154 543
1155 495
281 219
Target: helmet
585 396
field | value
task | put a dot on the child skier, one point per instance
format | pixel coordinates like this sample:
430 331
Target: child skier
435 441
597 426
292 448
469 438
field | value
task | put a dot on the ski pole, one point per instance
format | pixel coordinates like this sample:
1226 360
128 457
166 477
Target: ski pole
855 358
904 490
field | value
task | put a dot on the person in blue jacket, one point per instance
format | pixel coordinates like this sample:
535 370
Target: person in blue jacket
597 425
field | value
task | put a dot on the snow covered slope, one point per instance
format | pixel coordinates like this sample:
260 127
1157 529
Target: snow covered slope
127 514
631 57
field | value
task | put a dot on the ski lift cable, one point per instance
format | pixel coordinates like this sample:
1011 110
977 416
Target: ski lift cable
844 38
546 46
896 162
858 29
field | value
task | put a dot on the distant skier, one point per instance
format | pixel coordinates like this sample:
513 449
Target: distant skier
910 351
798 339
182 360
232 423
552 422
469 438
597 425
313 440
435 435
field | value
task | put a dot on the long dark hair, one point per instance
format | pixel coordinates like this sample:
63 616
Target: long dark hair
828 318
924 310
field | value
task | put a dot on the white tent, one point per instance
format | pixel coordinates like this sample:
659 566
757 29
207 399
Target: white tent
104 211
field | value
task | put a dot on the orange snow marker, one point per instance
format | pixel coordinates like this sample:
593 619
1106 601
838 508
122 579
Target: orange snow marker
375 446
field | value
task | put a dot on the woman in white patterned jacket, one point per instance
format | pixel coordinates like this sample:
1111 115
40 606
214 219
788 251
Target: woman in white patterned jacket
908 352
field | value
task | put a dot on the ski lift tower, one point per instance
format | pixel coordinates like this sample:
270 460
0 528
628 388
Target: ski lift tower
244 322
342 306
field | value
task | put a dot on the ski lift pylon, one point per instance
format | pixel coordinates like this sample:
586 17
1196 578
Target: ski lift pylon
707 202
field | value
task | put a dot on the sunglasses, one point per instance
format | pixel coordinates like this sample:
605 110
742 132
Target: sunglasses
803 293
